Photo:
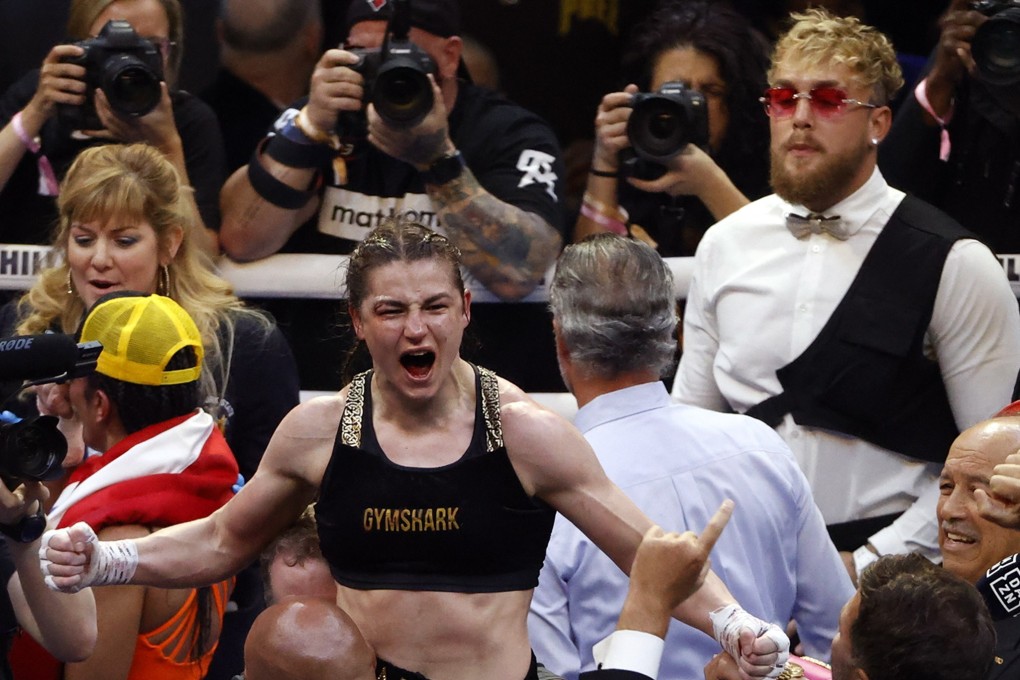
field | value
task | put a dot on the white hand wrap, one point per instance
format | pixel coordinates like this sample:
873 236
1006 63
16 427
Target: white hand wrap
728 621
112 562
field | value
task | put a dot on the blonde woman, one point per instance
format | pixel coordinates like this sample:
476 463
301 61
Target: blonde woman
126 223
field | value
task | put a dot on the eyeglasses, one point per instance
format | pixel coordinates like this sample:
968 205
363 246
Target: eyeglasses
164 45
826 102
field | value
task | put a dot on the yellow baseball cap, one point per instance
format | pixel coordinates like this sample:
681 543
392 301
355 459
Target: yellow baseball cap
140 333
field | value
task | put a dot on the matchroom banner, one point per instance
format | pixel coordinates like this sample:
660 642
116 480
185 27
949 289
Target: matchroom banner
20 264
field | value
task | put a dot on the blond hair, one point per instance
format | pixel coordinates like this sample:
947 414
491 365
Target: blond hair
818 36
136 182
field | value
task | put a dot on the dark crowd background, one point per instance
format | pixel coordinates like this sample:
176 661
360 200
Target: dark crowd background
555 58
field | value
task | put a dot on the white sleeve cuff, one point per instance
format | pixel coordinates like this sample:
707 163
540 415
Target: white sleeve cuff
630 650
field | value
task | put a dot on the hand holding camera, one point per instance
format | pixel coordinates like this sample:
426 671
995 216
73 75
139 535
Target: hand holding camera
611 129
395 79
61 83
126 67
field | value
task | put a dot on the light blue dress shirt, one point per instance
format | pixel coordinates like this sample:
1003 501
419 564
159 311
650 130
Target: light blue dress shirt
678 463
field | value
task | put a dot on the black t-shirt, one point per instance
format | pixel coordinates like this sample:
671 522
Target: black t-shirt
27 217
677 223
262 387
511 151
244 114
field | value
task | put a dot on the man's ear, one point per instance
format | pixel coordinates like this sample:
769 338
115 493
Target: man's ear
880 122
451 52
104 407
562 353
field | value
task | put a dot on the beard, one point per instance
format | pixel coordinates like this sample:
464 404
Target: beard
821 187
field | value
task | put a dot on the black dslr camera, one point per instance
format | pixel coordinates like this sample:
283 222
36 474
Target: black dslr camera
126 67
396 75
33 448
661 125
996 45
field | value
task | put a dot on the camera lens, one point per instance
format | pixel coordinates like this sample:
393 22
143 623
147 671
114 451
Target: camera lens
402 94
32 449
996 48
132 87
658 127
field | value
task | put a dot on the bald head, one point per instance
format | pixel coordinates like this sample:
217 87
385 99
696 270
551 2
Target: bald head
266 25
307 640
970 543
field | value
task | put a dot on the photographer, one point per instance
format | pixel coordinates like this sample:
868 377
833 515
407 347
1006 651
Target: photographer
29 452
710 49
955 142
40 139
484 171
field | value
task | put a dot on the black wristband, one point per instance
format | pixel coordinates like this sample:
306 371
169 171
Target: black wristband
273 190
27 530
604 173
297 155
446 169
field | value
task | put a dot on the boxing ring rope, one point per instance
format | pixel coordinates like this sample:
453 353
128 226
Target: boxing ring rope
304 276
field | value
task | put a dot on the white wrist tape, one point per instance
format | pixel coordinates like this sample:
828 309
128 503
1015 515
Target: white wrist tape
729 621
111 563
863 558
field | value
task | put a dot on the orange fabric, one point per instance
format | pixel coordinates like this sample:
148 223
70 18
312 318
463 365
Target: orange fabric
157 651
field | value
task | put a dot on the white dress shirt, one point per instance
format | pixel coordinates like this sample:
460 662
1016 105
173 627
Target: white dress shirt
678 463
759 297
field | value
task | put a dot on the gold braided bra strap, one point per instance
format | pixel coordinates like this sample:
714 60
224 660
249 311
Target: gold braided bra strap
354 410
490 410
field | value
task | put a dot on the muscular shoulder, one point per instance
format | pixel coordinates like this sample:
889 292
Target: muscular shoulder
302 444
517 409
546 450
315 419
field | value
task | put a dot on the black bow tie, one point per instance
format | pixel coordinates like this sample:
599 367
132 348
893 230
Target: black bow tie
815 223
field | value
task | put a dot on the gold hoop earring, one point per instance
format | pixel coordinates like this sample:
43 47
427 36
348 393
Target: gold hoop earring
163 285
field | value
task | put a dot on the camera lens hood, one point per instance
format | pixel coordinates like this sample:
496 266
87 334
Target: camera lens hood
131 86
402 92
996 48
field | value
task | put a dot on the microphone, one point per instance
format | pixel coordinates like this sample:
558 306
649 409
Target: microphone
46 358
1000 587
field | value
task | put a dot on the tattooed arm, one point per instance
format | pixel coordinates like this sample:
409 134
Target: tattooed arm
506 248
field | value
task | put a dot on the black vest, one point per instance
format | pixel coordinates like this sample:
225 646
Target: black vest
865 374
